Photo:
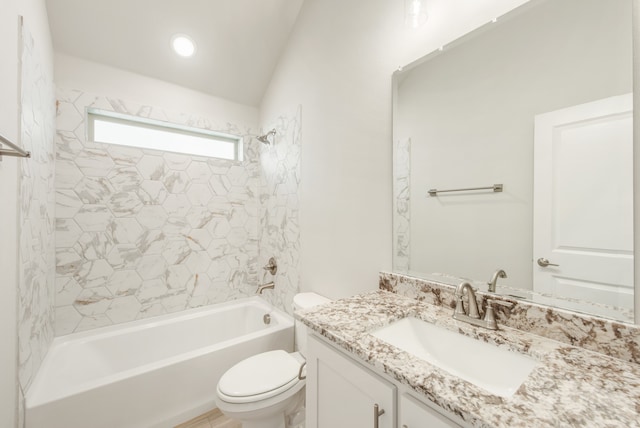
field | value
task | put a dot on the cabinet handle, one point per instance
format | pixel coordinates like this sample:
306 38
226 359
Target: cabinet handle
377 412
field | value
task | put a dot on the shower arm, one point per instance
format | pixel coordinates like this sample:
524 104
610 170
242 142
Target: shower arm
266 137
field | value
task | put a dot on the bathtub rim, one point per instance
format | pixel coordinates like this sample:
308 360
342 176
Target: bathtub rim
283 320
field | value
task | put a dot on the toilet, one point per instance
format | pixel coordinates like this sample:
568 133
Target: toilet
262 390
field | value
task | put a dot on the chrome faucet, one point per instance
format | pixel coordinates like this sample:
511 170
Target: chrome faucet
471 314
494 279
268 285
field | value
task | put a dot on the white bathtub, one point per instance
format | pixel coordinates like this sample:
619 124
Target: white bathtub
150 373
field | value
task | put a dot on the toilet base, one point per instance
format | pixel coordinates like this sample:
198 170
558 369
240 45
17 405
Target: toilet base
272 416
276 421
292 417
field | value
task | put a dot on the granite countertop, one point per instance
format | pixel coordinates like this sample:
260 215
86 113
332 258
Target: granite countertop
570 387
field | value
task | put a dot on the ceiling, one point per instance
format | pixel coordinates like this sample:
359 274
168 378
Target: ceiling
238 41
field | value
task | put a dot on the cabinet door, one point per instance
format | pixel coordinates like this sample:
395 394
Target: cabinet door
341 393
414 414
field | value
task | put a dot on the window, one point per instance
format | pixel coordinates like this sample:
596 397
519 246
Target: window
115 128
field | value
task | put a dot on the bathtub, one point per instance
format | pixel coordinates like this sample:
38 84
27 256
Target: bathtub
156 373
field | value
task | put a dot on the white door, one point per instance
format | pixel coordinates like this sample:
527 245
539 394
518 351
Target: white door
583 202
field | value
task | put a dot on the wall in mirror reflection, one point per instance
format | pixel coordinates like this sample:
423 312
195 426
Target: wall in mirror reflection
465 117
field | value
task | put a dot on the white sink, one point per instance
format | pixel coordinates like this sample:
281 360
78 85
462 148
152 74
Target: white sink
494 369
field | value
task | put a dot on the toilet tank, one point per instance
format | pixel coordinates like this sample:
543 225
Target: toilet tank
304 301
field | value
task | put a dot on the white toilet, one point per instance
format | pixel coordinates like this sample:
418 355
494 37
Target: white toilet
261 390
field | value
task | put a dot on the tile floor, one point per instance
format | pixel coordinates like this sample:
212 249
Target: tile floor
212 419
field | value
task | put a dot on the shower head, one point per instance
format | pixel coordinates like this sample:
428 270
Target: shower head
268 138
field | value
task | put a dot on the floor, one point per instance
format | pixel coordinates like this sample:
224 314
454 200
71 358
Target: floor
212 419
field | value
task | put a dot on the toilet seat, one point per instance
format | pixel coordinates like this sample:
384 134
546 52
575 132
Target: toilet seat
259 377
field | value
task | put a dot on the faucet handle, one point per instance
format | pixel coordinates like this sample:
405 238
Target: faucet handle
272 266
490 316
499 302
459 306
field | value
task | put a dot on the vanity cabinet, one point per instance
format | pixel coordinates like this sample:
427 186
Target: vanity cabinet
416 414
343 393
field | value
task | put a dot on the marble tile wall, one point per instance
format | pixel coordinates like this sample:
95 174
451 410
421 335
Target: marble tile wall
401 205
141 233
36 270
278 209
615 339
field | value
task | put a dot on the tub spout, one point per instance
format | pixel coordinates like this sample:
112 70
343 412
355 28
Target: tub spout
268 285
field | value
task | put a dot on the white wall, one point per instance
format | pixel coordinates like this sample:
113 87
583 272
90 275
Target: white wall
35 17
95 78
8 216
338 66
636 156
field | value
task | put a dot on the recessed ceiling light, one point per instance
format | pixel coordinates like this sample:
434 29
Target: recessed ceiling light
183 45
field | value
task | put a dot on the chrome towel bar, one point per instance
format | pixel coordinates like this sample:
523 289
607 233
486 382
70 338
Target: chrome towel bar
495 188
16 151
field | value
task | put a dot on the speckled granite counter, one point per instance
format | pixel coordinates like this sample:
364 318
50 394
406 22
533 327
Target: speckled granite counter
571 386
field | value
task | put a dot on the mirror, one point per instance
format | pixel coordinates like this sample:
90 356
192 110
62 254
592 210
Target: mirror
540 102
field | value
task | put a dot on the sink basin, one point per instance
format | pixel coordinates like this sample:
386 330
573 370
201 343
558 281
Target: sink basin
497 370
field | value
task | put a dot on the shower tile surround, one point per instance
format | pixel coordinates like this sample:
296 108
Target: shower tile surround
401 205
36 206
141 233
278 209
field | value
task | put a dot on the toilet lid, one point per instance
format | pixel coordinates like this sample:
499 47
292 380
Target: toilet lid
263 375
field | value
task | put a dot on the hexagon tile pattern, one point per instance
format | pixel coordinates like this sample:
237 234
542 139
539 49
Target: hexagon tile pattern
279 227
36 253
142 233
401 204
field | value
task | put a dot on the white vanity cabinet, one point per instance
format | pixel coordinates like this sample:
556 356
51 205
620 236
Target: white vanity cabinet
416 414
343 393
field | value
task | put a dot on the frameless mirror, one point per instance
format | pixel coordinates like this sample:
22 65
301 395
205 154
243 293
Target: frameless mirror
540 102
